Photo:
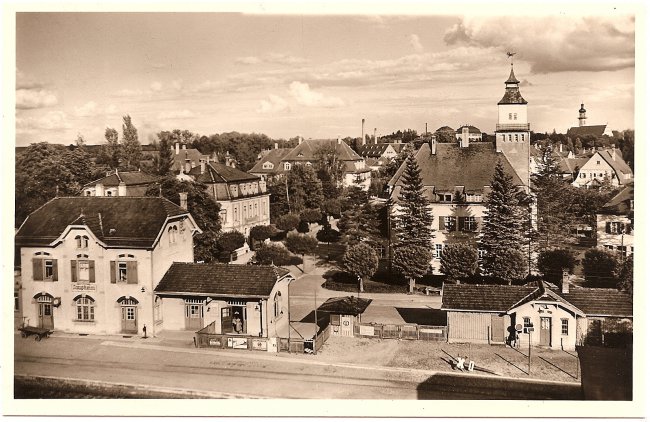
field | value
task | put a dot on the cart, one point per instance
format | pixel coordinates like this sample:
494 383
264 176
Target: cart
39 333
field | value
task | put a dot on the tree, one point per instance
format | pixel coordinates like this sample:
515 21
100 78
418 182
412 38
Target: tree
510 266
626 276
272 254
503 228
288 222
130 144
203 209
413 219
230 241
303 227
327 234
311 215
362 261
261 233
304 188
600 267
361 224
329 170
459 260
165 160
301 244
111 152
553 262
412 262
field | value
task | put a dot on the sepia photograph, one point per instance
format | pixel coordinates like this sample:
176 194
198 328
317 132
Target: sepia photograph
361 202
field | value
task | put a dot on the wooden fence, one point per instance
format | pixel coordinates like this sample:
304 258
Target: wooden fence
404 331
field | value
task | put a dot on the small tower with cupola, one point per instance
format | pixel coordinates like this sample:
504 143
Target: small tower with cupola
582 116
512 129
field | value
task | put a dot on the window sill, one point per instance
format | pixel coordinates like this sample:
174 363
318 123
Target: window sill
83 321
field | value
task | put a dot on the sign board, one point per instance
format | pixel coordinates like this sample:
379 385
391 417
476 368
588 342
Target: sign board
239 343
519 327
83 287
214 342
366 330
259 345
431 330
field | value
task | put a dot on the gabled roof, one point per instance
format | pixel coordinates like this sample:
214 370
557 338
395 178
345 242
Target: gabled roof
220 280
274 157
372 150
498 298
221 173
306 150
191 154
595 130
444 129
615 160
620 203
116 221
130 178
348 305
451 166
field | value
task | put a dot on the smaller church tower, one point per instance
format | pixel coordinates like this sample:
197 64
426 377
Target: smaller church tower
582 116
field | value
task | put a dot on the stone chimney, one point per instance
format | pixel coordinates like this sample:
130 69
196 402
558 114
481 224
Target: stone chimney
299 140
464 137
275 145
187 165
434 144
363 133
177 147
121 189
202 167
338 140
183 198
374 135
99 189
561 147
565 281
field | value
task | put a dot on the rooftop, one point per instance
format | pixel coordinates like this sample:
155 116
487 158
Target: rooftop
130 178
220 173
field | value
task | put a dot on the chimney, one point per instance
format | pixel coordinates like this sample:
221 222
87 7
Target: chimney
375 136
99 189
193 164
187 165
561 147
183 197
434 144
426 129
275 145
565 281
363 133
121 189
184 146
338 140
178 146
464 137
202 167
299 140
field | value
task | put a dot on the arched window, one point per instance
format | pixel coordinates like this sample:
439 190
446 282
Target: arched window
172 231
85 308
82 242
277 305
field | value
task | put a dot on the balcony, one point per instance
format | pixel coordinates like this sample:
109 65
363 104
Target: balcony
513 126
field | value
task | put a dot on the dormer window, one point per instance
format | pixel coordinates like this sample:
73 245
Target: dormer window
287 166
267 166
109 193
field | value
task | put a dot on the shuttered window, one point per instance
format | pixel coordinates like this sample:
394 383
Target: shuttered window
45 269
124 272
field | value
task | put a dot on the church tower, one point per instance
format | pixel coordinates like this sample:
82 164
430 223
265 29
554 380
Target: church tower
513 130
582 116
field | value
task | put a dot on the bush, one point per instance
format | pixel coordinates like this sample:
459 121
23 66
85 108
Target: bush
231 241
303 227
552 262
328 235
272 254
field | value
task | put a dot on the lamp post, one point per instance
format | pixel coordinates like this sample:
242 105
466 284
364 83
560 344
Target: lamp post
530 348
289 312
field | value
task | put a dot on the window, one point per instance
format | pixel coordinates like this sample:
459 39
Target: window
527 324
49 268
85 308
469 224
124 270
277 305
514 116
16 301
109 193
450 224
509 116
481 253
236 214
256 210
609 247
88 193
614 227
44 268
287 166
597 161
622 250
172 231
157 309
82 242
267 166
437 252
565 326
448 197
510 137
83 271
516 137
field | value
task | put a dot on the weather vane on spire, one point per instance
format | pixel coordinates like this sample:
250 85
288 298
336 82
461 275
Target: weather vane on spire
510 54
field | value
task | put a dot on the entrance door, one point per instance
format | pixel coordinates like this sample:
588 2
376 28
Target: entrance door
129 319
347 325
45 317
226 320
498 332
545 331
193 316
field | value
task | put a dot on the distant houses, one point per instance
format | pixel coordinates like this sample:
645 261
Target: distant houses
615 223
604 167
120 183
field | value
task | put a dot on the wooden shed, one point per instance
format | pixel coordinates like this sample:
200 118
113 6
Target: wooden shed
344 312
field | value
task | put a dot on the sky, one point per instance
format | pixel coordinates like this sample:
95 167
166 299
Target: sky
315 76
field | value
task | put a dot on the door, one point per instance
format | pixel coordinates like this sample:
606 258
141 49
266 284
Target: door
347 326
226 320
498 332
193 316
45 317
545 331
129 319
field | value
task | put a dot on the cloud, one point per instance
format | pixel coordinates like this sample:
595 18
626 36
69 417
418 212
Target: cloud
35 98
414 40
156 86
86 110
274 104
53 121
553 44
110 109
175 115
305 96
25 82
177 84
271 58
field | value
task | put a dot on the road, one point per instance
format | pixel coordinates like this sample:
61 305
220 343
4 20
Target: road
246 374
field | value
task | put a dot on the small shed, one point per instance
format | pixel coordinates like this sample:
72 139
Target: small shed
344 312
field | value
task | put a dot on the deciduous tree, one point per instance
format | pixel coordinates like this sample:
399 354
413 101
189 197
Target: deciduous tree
626 276
130 145
301 244
261 233
412 262
459 261
600 267
305 190
361 260
288 222
552 262
230 241
273 253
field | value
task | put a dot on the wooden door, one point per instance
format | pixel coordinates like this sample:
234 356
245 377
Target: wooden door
129 319
347 325
193 316
45 317
545 331
498 332
226 320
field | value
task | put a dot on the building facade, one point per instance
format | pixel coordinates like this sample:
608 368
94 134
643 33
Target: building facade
604 168
615 223
116 183
90 264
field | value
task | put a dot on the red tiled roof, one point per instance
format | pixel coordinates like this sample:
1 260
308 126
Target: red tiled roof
274 157
125 220
307 148
600 302
220 173
229 280
348 305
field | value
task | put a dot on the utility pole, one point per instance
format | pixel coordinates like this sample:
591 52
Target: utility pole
315 318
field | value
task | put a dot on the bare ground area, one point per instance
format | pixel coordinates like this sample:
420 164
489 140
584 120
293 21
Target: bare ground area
549 365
